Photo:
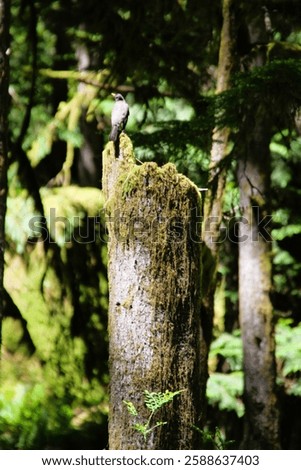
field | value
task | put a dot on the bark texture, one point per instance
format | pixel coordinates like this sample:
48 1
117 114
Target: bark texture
261 420
153 222
213 209
255 308
4 105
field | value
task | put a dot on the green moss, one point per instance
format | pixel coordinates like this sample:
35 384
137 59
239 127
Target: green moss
115 169
12 333
161 195
149 179
129 182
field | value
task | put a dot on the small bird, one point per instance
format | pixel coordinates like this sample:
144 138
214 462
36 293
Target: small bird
119 117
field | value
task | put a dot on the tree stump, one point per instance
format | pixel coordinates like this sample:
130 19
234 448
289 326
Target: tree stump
154 269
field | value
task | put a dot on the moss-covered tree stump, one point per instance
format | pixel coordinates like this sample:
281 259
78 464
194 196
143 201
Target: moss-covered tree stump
153 220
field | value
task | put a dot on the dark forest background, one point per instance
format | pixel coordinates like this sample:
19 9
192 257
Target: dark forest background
66 57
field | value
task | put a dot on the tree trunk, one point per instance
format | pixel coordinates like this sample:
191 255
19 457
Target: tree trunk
256 315
213 209
153 219
261 421
4 106
88 161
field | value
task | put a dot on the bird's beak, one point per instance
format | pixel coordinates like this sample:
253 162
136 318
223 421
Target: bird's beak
113 94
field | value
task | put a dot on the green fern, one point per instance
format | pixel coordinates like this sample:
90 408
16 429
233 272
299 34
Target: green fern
153 401
131 408
213 440
288 353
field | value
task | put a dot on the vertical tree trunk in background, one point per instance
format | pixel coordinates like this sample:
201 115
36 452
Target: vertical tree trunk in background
4 105
88 164
153 221
261 420
217 174
256 315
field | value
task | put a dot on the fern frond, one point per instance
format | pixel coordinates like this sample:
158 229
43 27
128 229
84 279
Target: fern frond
131 408
155 400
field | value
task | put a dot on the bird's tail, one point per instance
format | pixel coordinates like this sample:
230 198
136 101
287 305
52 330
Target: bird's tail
114 134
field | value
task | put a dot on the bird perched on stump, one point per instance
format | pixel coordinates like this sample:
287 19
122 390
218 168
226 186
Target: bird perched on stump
119 117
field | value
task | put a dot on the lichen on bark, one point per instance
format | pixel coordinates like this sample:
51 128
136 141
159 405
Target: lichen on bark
153 218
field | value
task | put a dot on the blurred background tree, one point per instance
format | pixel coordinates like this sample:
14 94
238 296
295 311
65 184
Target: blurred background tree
66 58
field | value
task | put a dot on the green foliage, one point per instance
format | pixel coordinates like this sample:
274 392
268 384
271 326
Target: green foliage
68 361
131 408
178 142
225 390
60 297
153 401
32 418
214 440
288 340
286 231
28 417
286 222
40 408
64 125
285 149
20 210
229 346
275 84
